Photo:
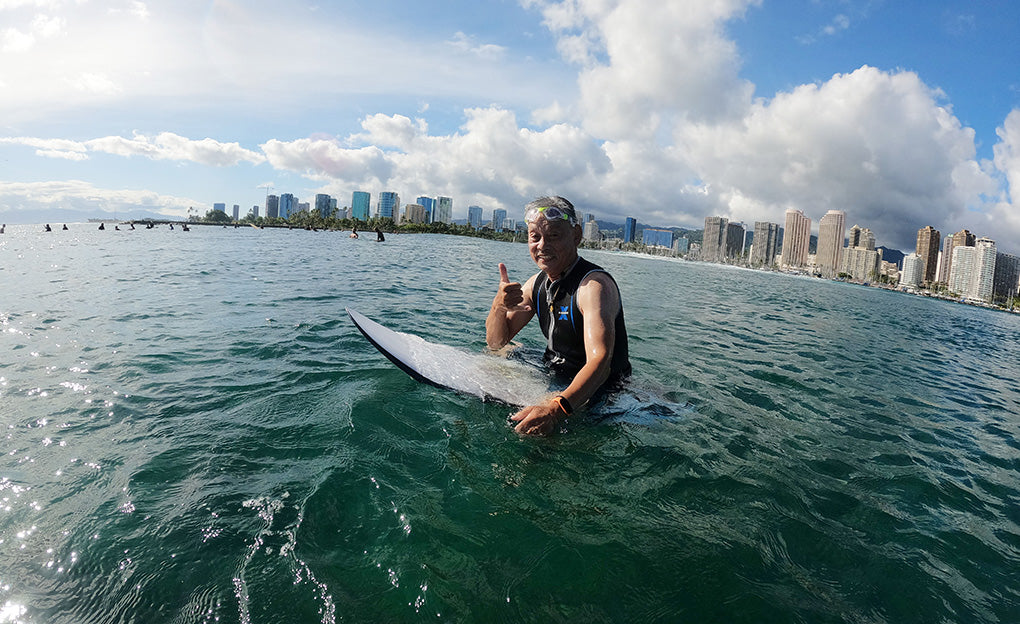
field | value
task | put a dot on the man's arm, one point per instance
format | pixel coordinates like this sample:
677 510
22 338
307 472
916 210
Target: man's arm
511 310
599 301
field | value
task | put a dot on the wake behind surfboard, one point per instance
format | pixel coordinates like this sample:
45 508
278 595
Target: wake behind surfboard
484 376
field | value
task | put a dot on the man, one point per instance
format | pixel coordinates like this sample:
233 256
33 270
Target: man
579 310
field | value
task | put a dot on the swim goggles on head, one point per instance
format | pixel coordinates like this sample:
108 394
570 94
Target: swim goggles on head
549 212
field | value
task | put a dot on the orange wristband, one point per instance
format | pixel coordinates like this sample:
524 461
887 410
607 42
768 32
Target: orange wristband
564 404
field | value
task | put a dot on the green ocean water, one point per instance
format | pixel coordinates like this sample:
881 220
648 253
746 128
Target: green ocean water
193 431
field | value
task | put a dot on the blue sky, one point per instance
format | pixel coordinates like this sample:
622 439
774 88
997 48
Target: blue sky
903 114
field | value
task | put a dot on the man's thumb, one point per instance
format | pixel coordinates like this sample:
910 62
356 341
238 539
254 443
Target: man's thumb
503 276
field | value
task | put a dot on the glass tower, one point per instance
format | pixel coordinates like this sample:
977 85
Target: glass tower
360 202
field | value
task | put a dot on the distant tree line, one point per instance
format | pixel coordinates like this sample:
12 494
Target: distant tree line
312 220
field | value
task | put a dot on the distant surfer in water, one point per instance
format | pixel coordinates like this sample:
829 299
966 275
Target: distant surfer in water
579 309
379 235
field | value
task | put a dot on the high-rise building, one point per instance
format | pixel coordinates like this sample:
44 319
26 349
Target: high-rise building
796 238
860 237
766 241
831 230
945 260
984 278
973 271
682 245
1006 283
854 237
255 211
736 239
962 270
928 244
629 227
963 238
713 241
498 216
860 259
360 205
866 240
475 216
591 230
388 207
444 211
322 204
430 207
288 205
913 271
272 206
414 213
220 206
861 264
237 211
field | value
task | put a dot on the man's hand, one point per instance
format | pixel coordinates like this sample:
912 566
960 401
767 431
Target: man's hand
538 419
510 295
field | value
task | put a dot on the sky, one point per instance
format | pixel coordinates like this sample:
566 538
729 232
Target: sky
901 113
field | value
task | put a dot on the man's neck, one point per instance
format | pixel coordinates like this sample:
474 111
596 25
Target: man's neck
566 272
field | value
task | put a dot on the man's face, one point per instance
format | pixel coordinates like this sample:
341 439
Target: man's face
553 245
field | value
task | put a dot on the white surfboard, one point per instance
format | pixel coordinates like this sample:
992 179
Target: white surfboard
489 377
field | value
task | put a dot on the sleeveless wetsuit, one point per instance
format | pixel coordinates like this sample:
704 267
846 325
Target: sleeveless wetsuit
563 324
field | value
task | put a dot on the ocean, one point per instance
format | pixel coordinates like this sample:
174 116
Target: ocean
194 431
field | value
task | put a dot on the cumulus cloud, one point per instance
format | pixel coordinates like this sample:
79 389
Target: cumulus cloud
1007 154
878 145
490 156
649 64
40 27
325 159
16 41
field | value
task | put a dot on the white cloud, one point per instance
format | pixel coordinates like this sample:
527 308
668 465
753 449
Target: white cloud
16 41
390 131
94 83
877 145
40 27
61 154
649 64
1007 154
164 146
7 5
47 26
324 159
490 158
484 51
838 24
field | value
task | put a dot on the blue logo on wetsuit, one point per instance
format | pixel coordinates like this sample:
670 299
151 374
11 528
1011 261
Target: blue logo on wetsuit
564 312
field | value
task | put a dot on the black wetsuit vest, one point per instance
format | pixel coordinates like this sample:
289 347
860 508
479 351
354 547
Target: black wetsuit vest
563 324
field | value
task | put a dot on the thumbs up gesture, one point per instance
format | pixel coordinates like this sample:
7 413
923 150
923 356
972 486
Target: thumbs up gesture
510 295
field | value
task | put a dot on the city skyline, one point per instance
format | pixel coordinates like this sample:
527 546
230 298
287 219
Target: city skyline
898 113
